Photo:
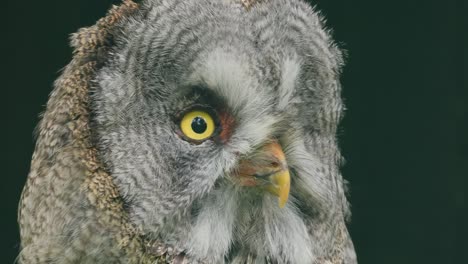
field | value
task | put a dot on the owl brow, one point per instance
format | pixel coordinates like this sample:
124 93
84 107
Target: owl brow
201 95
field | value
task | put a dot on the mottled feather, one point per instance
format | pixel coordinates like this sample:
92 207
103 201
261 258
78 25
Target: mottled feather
111 182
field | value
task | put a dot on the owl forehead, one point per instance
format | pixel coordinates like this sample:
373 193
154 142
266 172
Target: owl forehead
247 83
218 48
254 61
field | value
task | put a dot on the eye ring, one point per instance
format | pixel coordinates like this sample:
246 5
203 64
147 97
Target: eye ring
197 125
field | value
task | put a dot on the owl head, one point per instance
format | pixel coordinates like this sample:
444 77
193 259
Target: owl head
218 125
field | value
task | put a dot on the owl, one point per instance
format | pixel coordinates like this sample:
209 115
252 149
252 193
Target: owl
192 131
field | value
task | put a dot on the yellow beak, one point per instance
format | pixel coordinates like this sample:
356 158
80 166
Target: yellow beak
281 183
268 170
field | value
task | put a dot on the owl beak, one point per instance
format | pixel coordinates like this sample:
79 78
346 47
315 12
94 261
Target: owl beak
267 170
280 185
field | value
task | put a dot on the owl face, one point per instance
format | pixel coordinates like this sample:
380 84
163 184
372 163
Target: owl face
218 126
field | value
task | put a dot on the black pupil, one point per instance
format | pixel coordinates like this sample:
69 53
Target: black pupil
199 125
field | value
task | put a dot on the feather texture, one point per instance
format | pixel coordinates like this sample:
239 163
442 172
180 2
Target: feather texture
111 179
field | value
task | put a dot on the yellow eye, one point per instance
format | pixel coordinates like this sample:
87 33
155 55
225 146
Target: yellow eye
197 125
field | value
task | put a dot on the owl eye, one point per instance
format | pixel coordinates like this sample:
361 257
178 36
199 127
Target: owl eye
197 125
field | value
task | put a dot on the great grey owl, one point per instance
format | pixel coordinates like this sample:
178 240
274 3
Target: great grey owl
192 131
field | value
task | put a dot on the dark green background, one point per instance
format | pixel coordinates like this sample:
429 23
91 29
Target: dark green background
404 135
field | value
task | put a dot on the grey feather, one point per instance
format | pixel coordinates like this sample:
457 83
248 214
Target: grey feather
274 68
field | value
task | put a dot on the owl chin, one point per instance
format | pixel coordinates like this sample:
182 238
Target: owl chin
245 216
233 224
